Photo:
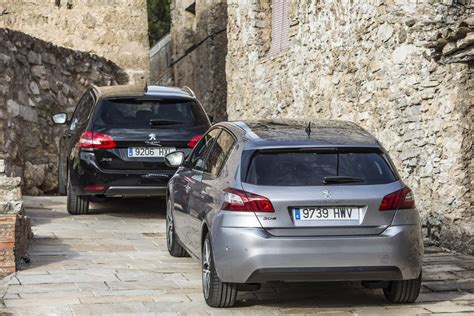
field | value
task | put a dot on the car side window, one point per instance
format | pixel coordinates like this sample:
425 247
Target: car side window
218 154
196 160
83 109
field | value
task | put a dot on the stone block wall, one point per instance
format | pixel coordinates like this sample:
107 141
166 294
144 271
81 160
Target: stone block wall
15 227
160 62
401 69
38 79
114 29
198 51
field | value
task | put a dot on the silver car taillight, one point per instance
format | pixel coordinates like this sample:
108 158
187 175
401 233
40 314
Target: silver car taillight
242 201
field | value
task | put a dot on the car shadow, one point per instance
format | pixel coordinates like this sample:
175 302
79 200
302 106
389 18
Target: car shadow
304 295
145 208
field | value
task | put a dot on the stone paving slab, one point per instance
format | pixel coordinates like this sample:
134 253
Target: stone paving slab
114 261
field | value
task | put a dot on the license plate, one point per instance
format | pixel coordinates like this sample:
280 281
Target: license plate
326 213
149 152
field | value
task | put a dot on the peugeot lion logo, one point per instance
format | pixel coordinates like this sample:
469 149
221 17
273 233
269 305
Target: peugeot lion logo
327 194
152 140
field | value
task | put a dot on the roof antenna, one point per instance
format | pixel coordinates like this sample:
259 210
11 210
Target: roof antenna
308 129
146 86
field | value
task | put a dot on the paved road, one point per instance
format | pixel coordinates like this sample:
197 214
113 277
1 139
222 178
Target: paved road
115 261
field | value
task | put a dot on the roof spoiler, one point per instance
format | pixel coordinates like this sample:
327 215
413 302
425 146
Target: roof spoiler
189 91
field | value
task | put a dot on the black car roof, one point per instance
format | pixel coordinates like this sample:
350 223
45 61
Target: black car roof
271 133
142 91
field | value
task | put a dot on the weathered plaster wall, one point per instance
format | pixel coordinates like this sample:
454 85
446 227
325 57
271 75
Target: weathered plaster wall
38 79
401 69
198 51
114 29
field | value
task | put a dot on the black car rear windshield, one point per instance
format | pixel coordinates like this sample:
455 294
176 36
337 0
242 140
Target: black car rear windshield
318 168
139 113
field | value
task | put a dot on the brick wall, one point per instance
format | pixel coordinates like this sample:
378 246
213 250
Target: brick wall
15 227
7 244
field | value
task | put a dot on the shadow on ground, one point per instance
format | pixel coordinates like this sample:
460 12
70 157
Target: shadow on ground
130 207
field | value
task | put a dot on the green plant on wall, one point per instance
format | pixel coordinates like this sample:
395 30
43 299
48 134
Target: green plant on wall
159 19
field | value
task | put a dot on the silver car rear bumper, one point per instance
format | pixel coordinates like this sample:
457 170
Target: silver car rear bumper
251 255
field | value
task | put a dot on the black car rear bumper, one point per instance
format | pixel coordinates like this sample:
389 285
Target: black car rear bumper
89 179
136 191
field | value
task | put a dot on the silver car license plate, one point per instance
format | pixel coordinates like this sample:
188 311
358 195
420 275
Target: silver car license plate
342 213
149 152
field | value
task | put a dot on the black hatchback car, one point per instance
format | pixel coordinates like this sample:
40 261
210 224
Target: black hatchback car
115 142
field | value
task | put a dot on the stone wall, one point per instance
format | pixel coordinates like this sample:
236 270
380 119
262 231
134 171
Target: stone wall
38 79
15 227
114 29
198 51
160 62
401 69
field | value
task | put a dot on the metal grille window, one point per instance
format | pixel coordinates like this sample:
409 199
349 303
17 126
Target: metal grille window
280 26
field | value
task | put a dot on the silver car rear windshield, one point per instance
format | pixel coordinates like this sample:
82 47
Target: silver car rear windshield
315 168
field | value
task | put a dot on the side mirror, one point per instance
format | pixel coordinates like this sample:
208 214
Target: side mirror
174 159
211 118
59 118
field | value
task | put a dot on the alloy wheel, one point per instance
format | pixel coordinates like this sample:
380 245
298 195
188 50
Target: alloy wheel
169 227
206 268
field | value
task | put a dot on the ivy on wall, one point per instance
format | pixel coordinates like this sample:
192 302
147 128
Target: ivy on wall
159 19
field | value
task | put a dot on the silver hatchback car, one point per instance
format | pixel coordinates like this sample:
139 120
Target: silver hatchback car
266 201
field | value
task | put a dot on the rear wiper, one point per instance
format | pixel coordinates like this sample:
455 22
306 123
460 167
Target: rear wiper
341 179
157 122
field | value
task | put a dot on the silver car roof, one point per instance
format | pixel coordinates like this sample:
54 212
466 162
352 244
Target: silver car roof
290 133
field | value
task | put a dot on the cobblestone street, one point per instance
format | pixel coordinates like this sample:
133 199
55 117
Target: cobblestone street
115 261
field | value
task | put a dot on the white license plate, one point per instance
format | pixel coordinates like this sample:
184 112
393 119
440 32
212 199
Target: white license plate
343 213
149 152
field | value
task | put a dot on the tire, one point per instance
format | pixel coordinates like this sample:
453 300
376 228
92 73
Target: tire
76 204
174 247
404 291
216 292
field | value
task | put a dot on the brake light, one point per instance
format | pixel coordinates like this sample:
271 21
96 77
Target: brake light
238 200
401 199
192 143
96 140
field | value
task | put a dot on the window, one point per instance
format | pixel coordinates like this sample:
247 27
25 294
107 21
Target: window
219 153
83 109
292 168
139 113
196 159
280 26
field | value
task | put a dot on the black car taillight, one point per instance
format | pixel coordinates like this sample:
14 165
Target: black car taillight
401 199
193 141
96 141
242 201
